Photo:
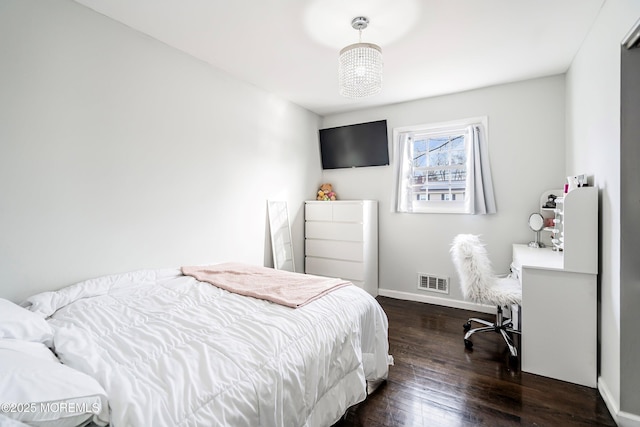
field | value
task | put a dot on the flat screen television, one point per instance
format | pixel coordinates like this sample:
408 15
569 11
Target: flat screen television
354 146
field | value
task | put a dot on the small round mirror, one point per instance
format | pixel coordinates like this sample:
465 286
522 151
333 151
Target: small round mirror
536 222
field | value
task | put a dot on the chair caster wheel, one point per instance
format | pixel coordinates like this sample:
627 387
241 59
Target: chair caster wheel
468 344
466 326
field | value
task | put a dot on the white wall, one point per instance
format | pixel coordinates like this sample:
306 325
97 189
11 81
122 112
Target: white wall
119 153
526 142
593 147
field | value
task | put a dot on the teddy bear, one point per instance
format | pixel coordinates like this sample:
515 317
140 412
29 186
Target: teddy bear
326 192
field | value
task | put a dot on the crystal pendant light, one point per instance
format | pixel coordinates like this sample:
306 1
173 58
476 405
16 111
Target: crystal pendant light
360 66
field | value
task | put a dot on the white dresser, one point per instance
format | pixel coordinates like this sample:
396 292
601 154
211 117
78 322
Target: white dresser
341 240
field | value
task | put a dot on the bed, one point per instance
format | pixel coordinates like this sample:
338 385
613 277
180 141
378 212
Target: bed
171 350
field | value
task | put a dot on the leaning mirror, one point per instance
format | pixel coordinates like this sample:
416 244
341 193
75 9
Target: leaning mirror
536 223
281 244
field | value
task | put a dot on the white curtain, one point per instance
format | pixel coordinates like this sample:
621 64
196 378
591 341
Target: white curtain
401 192
480 184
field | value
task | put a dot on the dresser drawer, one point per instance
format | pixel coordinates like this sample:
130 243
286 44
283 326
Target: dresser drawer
347 270
349 251
347 212
334 231
318 211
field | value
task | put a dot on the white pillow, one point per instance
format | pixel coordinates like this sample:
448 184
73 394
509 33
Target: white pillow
8 422
38 390
21 324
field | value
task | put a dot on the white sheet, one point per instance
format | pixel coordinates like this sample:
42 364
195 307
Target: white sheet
172 351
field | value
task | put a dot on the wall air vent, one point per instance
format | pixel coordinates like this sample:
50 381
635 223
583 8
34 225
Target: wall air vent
430 283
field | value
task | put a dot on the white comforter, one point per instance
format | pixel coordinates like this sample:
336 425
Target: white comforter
172 351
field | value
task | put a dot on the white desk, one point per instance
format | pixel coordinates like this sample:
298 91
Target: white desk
559 317
537 258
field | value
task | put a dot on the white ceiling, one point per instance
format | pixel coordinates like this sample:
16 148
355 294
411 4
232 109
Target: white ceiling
430 47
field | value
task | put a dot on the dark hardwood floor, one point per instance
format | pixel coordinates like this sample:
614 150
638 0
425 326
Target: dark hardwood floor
437 382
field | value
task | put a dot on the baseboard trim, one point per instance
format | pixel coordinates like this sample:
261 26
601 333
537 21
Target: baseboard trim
622 418
611 403
409 296
625 419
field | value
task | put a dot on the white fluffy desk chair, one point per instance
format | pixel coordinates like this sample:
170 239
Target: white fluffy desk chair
480 284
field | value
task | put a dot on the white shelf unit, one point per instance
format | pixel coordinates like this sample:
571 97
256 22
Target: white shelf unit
548 213
577 213
559 295
341 240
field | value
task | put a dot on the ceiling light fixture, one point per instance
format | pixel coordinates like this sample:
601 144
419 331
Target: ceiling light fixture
360 66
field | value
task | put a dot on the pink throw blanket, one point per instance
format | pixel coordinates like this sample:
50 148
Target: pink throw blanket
282 287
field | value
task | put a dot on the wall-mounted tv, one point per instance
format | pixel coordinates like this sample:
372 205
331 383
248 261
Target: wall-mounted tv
353 146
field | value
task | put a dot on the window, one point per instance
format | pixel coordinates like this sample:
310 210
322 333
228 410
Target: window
442 168
439 166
